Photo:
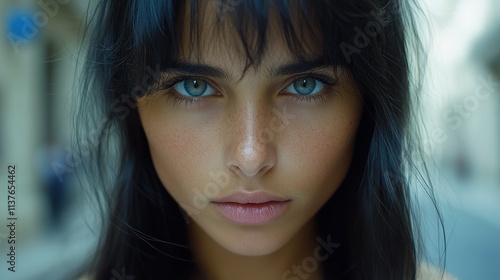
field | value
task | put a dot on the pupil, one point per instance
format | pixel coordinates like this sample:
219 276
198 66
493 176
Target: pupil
195 87
305 86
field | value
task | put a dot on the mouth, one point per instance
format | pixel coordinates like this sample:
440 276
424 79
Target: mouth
252 208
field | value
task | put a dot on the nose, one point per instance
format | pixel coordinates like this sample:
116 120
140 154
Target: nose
252 149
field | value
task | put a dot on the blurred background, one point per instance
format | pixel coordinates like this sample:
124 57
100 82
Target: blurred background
39 47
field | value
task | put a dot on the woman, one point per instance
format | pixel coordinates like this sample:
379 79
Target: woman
253 139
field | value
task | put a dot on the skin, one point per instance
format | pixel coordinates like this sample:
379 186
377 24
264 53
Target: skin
305 159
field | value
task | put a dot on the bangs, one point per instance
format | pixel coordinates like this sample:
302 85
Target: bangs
164 30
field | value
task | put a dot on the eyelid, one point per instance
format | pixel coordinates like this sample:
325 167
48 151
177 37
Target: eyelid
320 77
167 83
328 81
327 90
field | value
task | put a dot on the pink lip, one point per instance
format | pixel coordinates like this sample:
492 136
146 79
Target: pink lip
251 208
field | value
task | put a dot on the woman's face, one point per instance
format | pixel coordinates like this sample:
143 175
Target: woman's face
251 156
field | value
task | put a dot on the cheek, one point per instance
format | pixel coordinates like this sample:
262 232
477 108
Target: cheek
182 159
319 155
314 152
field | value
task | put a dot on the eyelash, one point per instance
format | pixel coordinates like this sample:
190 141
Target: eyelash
316 98
320 97
175 98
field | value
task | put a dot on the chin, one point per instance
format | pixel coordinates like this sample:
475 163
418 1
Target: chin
252 242
253 248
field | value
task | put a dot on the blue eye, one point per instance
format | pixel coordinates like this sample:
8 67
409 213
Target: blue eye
305 86
193 88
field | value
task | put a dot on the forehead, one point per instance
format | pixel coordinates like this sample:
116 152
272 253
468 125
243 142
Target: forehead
226 33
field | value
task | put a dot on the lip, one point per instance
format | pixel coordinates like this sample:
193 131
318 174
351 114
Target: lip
244 198
252 208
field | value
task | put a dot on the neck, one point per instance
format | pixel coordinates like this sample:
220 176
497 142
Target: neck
217 263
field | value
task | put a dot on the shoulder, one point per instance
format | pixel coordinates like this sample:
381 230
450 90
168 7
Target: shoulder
428 272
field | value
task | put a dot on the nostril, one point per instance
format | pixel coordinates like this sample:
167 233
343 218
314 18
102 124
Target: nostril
233 165
250 167
246 172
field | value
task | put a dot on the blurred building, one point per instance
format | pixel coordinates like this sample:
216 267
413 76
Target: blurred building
462 92
38 50
39 47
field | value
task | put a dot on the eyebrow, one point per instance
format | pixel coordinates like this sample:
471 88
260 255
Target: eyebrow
201 69
296 67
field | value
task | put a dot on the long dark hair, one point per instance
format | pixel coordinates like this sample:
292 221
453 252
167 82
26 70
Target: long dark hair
371 215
